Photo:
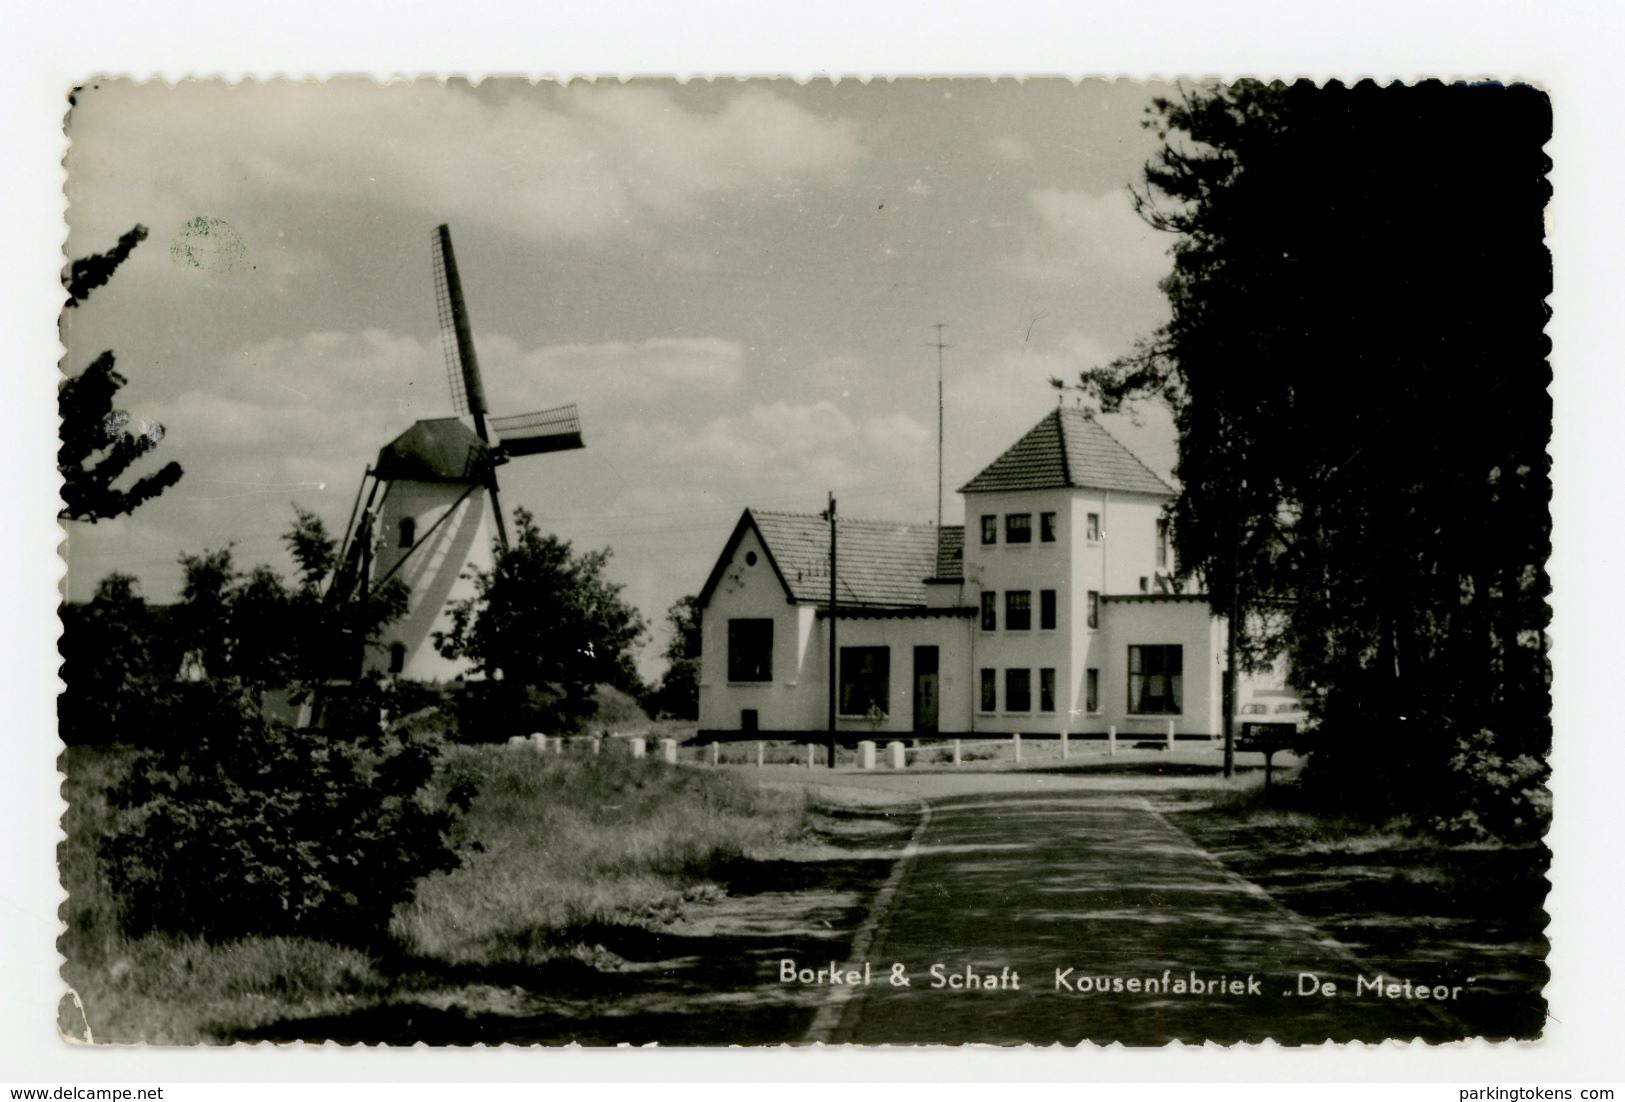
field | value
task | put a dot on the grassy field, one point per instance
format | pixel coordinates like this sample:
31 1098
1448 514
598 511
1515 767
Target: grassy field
557 850
1401 900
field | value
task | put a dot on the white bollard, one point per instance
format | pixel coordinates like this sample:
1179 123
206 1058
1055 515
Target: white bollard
956 752
896 755
1170 734
1066 751
1015 742
761 754
638 745
713 753
1111 740
866 755
517 741
538 742
810 749
668 751
597 745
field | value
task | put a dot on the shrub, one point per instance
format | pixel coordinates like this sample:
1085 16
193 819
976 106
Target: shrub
251 827
1495 796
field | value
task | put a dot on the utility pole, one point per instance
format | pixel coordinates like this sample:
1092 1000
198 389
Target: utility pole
834 688
939 346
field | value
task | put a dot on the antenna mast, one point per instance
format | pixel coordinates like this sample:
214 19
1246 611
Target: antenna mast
939 346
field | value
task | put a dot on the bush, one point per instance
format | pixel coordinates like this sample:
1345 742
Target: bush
1496 797
251 827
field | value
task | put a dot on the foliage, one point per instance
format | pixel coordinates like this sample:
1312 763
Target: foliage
256 627
1356 366
251 827
113 662
99 443
1497 797
546 626
679 692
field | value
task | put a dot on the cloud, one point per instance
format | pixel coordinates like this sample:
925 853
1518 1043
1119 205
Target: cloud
574 162
612 372
1081 232
1012 149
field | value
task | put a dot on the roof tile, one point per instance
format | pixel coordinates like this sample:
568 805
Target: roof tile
1068 448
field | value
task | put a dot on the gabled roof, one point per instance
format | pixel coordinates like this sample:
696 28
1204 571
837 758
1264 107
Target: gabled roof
441 450
1068 448
881 564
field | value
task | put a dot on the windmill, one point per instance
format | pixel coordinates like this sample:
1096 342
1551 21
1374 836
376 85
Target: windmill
426 519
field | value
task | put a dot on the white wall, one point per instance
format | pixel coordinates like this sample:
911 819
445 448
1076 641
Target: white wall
433 569
955 684
1184 622
793 699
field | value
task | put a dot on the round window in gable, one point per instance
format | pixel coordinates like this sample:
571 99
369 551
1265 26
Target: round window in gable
750 558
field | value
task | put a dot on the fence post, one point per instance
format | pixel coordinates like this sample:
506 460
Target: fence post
897 755
866 755
538 742
1170 734
668 751
597 745
517 741
761 754
956 751
638 745
1111 740
1015 741
713 753
1066 749
810 749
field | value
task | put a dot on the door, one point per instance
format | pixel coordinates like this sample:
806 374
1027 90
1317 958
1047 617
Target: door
925 690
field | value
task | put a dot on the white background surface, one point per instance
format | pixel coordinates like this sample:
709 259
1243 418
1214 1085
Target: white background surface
1570 48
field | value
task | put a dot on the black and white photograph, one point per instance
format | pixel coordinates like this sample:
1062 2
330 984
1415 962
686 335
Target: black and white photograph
748 562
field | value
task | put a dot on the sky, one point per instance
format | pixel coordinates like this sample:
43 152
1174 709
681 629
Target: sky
737 282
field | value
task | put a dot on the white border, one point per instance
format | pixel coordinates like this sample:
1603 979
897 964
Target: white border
1568 46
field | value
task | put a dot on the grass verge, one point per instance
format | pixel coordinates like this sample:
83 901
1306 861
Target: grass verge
553 847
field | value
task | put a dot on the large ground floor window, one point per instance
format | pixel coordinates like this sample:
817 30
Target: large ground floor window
1156 679
865 680
750 650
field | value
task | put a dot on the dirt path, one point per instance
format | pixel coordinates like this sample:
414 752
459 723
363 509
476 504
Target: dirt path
1040 874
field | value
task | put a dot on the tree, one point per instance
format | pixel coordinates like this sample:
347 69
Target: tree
101 443
1356 366
679 692
548 625
112 661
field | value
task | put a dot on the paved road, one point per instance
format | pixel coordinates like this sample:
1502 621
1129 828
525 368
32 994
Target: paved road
1036 874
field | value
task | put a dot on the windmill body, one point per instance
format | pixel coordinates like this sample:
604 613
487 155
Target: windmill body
433 511
434 523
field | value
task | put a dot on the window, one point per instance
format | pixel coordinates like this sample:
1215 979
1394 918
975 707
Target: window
1094 608
1162 545
990 528
1091 528
750 650
1018 610
1046 690
1145 584
1018 690
865 680
1018 528
409 531
990 610
1155 679
397 657
1091 690
990 690
1046 527
1046 609
750 720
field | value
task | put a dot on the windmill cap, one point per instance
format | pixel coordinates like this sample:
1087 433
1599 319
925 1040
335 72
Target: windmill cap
441 450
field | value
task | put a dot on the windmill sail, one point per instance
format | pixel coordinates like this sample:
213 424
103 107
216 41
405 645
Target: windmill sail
456 336
549 430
